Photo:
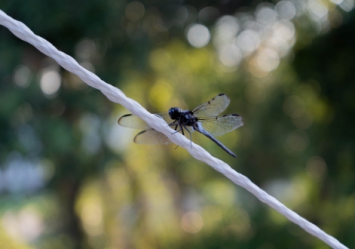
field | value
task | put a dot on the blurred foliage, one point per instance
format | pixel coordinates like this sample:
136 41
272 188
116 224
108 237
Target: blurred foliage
70 177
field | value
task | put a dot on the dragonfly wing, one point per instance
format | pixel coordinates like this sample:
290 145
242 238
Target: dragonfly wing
131 121
151 136
218 126
212 107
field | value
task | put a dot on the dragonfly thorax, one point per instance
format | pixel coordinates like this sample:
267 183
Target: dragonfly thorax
187 118
184 117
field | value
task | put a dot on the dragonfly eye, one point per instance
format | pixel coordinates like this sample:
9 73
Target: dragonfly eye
174 112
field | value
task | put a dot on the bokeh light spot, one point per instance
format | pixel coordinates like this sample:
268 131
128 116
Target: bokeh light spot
268 60
304 121
160 94
24 113
337 1
25 225
159 59
266 16
347 5
91 214
50 81
316 168
208 14
22 76
278 44
230 55
85 49
291 192
88 66
227 28
248 41
293 106
198 35
317 9
297 141
135 10
285 30
181 16
191 222
286 10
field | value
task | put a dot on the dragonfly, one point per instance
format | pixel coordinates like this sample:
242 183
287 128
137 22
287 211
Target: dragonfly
203 119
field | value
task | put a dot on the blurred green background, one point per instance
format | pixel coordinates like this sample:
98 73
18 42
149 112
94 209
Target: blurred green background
70 177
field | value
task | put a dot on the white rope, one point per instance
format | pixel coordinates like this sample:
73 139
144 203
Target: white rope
117 96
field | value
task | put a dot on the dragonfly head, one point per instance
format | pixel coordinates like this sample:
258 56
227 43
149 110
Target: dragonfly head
174 113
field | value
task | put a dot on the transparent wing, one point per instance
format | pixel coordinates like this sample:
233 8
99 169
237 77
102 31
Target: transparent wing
152 136
218 126
131 121
212 107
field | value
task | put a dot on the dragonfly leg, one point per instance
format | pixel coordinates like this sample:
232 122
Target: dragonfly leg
190 135
176 126
183 133
176 131
172 124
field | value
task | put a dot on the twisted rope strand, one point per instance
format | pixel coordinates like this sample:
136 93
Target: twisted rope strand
115 95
